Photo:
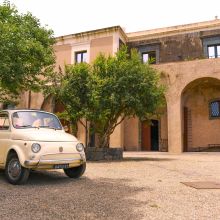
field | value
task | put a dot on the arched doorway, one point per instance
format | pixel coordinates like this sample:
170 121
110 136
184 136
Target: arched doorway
200 101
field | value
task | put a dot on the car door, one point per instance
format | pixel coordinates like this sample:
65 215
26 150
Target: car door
5 135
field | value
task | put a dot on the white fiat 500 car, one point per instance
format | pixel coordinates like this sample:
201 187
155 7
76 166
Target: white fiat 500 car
33 140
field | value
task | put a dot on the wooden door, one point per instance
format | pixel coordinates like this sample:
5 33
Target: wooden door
145 136
154 135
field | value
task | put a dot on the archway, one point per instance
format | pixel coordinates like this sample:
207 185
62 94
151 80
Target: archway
200 103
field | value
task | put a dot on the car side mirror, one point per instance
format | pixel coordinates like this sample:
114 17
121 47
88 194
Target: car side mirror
66 128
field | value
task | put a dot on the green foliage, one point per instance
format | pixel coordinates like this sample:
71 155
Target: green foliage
125 87
72 89
75 90
26 51
109 90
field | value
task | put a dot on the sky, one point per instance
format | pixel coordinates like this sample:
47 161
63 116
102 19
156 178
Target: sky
74 16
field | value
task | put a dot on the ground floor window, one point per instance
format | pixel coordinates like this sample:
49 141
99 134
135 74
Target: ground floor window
214 109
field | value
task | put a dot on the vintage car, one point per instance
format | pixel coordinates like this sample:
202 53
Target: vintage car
34 140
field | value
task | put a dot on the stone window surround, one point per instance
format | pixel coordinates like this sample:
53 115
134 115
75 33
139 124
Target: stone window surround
80 46
149 48
209 41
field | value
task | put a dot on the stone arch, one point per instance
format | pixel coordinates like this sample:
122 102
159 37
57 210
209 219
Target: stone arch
199 131
178 77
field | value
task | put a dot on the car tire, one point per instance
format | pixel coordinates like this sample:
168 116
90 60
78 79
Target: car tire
14 172
75 172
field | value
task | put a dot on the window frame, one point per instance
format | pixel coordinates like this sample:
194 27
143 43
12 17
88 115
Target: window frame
149 53
211 117
215 51
81 53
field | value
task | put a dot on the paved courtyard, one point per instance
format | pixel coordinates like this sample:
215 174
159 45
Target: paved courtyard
143 186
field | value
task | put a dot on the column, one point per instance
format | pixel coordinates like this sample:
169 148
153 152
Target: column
174 125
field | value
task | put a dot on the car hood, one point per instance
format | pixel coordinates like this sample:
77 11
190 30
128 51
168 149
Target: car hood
43 134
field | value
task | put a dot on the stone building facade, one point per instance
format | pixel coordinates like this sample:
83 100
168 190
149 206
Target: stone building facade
187 57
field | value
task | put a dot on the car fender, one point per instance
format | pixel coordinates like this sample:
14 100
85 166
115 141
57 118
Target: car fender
19 151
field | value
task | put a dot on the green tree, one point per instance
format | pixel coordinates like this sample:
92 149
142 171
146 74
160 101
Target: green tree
125 87
74 92
109 90
26 51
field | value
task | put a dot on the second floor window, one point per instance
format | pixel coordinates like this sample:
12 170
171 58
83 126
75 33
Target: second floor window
149 57
81 56
214 51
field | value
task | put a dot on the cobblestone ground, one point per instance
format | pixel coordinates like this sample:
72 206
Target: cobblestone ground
142 186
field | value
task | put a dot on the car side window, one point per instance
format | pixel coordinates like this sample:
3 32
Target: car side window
4 122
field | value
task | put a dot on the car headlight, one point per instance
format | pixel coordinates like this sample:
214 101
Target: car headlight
80 147
35 147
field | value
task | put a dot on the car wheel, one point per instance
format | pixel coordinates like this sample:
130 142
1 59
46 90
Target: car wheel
75 172
15 173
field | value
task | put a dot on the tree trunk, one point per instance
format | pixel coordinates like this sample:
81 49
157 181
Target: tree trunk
104 141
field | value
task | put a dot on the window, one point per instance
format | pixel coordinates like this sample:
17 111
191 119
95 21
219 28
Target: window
149 57
4 122
214 51
215 109
211 46
81 56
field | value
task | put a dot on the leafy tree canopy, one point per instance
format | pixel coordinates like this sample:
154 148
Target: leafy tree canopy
109 90
26 51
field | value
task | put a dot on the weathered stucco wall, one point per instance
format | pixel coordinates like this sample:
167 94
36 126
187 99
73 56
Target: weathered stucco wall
175 48
101 45
131 134
63 55
180 43
117 137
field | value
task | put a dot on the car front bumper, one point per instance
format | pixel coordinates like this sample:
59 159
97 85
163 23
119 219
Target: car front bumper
48 163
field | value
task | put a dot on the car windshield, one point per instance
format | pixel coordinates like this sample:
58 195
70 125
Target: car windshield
35 119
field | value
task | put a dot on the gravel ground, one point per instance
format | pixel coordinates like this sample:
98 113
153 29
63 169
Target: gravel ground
143 186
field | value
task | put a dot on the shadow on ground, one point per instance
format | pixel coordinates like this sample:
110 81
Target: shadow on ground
52 195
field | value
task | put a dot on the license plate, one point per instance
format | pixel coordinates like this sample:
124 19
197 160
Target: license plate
61 166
